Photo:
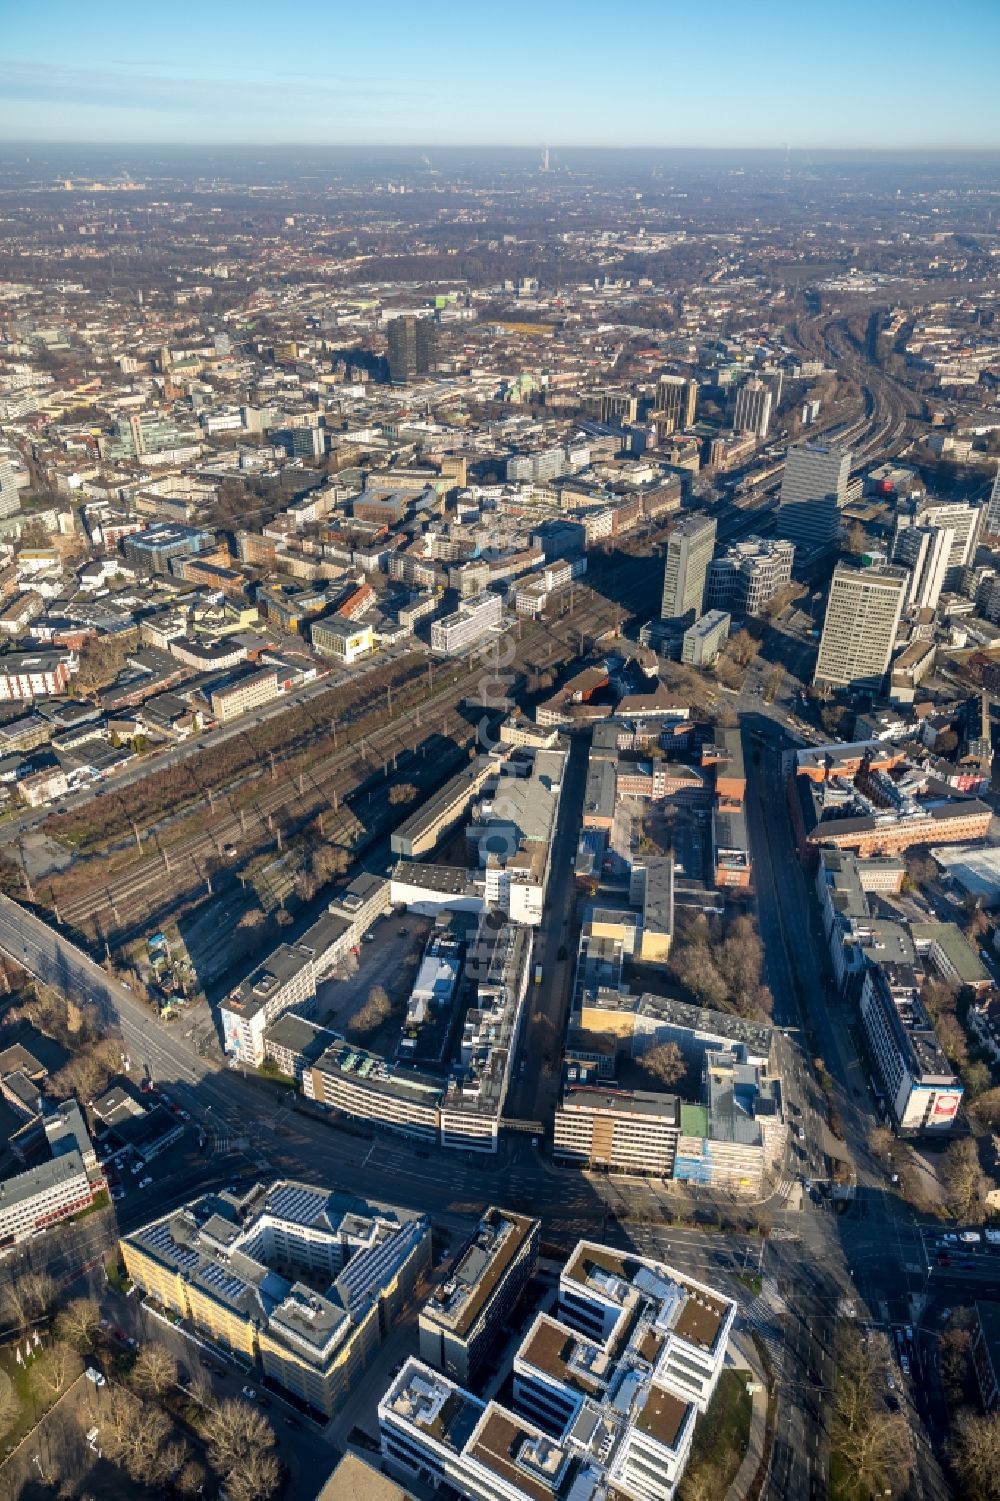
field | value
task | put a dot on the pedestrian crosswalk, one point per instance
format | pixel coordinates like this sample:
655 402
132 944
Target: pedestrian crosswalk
762 1315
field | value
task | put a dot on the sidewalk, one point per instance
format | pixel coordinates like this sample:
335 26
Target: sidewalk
747 1472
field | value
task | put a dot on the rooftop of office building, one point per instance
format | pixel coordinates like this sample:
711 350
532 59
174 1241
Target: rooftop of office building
222 1245
480 1266
630 1380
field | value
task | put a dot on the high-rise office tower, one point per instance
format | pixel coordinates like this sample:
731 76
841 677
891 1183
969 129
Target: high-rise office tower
412 348
965 521
689 552
676 400
991 524
859 631
752 408
10 500
813 494
925 551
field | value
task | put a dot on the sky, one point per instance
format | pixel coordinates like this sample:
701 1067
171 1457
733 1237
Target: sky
671 73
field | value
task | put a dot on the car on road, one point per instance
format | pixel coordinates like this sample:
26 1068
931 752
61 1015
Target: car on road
904 1365
943 1259
138 1165
249 1393
145 1182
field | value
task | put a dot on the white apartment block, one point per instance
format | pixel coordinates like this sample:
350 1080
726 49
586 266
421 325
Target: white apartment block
473 620
286 981
921 1089
40 1197
230 700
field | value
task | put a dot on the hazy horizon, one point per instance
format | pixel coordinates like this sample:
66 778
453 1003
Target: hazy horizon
111 74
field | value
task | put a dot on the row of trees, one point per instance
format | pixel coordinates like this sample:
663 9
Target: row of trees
872 1443
974 1446
722 969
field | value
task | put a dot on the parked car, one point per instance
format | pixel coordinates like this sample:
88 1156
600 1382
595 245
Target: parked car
145 1182
249 1393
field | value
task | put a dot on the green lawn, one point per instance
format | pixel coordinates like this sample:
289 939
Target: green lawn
32 1408
721 1436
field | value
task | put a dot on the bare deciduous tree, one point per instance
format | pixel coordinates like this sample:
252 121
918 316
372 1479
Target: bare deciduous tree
235 1433
963 1179
140 1436
742 648
51 1369
79 1322
372 1013
974 1453
665 1063
873 1442
155 1371
256 1477
402 792
27 1298
191 1478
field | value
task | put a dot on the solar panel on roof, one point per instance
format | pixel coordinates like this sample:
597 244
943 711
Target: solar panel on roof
298 1205
159 1238
223 1281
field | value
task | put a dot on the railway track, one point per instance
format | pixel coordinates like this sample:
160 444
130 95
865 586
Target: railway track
290 799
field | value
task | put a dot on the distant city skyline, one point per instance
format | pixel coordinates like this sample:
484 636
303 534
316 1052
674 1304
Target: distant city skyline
525 75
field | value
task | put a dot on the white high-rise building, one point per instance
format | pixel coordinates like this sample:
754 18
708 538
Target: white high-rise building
752 408
965 521
813 494
925 551
859 631
10 500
